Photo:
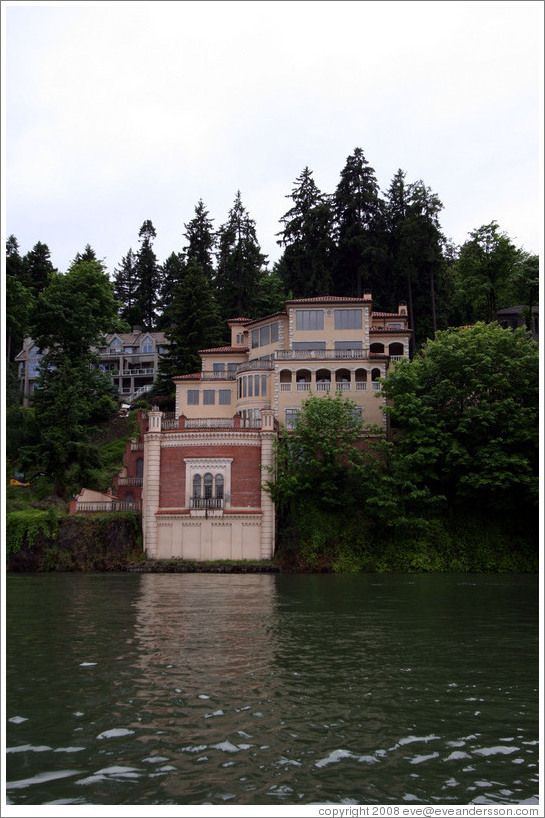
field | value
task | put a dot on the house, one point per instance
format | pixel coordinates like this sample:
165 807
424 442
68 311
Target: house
132 360
514 317
200 472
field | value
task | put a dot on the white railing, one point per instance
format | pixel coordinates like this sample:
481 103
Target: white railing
115 505
285 387
343 386
209 423
376 386
397 357
323 387
218 376
130 481
140 391
127 372
361 386
320 354
303 386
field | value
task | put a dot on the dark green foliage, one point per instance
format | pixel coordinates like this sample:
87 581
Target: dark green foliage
240 263
305 267
95 542
485 267
73 394
148 278
466 417
357 209
125 289
193 324
37 269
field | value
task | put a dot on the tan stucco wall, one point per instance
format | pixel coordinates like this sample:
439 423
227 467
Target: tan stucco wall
232 537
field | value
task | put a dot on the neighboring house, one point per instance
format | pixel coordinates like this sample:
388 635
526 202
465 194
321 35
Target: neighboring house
202 470
132 360
514 317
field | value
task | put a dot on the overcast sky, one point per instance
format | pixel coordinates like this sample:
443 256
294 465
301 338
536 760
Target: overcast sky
115 113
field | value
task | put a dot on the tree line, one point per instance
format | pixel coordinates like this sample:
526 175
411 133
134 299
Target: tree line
339 243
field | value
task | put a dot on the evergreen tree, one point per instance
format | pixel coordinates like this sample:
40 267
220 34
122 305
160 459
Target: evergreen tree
356 208
125 289
172 274
485 268
201 240
38 269
240 263
194 324
87 255
396 266
148 277
305 265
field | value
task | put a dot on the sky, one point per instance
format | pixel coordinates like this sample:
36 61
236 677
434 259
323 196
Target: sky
116 113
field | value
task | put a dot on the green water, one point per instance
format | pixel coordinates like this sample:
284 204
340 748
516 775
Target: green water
270 689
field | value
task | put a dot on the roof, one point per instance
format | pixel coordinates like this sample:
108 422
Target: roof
133 338
387 315
224 349
329 299
516 310
267 317
194 376
238 320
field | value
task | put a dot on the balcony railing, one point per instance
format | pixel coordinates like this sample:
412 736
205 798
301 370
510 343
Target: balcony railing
321 354
130 481
228 375
207 503
115 505
303 386
209 423
259 363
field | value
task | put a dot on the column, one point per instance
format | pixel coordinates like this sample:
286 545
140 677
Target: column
151 482
268 436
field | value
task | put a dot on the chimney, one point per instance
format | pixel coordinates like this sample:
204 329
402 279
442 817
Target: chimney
137 329
402 309
367 295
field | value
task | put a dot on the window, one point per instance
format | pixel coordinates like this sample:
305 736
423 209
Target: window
208 396
197 486
274 332
240 338
218 367
140 467
255 338
232 368
348 319
219 487
115 347
302 346
224 397
256 385
192 397
147 345
291 417
208 484
309 319
263 385
250 386
264 335
344 349
128 350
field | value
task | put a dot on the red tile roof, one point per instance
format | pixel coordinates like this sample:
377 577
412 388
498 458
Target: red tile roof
327 299
225 349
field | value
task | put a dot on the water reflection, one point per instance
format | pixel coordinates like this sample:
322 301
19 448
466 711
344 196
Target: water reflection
263 689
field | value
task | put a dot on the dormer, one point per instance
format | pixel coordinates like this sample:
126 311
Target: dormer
239 336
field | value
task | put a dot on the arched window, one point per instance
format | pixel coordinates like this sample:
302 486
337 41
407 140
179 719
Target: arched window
219 487
140 467
197 486
208 483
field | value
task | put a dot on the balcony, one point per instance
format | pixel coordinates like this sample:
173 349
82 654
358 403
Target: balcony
260 364
210 423
229 375
130 481
206 503
321 354
115 505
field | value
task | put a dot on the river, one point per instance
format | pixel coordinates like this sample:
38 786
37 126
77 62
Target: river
158 689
